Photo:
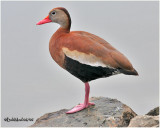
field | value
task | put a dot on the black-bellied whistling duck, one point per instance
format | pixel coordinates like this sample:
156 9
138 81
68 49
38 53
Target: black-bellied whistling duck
84 55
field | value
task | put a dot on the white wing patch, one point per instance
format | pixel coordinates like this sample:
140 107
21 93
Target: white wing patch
83 58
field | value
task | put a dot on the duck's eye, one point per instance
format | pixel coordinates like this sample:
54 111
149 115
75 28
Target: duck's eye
53 13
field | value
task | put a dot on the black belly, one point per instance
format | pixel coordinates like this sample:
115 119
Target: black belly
85 72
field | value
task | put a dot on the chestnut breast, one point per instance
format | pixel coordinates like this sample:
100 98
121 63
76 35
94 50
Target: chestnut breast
55 46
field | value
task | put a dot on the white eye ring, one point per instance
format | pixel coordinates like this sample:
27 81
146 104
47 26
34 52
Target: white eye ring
53 13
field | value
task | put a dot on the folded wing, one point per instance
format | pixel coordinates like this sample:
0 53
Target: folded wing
92 50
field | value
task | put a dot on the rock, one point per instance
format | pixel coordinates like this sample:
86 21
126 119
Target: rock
145 121
151 119
153 112
106 113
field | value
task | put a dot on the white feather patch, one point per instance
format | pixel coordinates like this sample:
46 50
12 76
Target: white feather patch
115 72
88 59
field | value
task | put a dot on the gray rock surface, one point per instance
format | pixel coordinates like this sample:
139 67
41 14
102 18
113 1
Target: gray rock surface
145 121
106 113
153 112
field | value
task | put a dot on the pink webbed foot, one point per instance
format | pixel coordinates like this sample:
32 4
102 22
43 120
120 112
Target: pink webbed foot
86 101
79 108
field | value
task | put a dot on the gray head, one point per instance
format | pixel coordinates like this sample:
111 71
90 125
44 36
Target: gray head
58 15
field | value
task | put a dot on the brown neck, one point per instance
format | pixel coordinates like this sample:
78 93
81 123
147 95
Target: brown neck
67 24
68 20
60 32
63 30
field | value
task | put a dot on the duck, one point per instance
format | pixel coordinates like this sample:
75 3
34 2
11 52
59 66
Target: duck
84 55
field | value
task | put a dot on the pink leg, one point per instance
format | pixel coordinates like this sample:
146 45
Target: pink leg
86 101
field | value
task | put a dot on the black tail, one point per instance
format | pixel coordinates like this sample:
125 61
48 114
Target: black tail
128 72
